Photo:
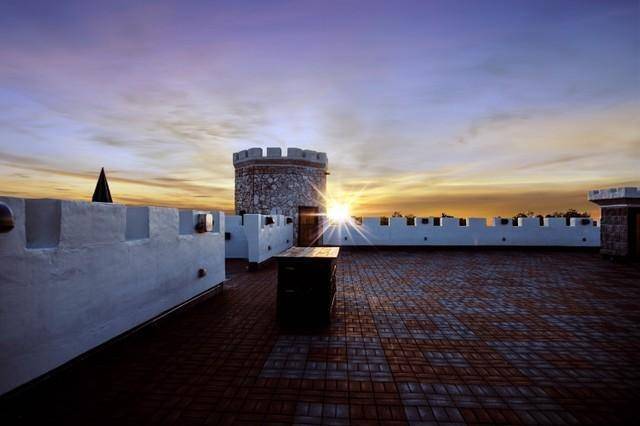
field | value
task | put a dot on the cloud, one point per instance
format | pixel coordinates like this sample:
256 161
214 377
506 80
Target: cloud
154 190
412 103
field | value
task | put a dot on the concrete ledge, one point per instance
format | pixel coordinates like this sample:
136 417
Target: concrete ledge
628 192
568 249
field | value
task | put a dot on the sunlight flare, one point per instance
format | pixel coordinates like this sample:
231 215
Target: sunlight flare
338 212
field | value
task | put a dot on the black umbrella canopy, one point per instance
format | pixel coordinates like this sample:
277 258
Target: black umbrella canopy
102 194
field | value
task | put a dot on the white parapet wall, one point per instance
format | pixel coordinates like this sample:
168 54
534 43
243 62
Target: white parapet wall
74 275
476 232
252 237
236 245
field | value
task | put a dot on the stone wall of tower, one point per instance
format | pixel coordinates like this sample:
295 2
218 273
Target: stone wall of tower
620 211
276 184
620 220
615 224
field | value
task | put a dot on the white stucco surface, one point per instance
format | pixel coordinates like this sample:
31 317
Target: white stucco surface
236 247
554 233
254 240
92 277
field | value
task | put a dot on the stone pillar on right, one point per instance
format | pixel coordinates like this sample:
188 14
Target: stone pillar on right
619 221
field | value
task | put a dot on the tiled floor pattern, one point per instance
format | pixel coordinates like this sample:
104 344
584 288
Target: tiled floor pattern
440 337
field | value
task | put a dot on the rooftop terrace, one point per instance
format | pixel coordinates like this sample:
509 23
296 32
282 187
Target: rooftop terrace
417 336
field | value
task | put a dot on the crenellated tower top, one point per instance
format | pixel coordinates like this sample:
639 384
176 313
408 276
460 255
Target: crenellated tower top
295 156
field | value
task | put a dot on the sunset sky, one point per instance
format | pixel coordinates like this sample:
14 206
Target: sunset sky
474 108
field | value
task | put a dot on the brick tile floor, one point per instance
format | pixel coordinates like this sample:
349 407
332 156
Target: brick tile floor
439 337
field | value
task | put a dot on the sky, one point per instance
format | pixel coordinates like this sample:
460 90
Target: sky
473 108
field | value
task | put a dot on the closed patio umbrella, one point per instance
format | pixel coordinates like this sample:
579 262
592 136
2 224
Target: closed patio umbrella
102 194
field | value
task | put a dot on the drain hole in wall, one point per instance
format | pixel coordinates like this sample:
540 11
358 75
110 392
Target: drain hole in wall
345 238
584 240
268 247
504 239
425 238
202 272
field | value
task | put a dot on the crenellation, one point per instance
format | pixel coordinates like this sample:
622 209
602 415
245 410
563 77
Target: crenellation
310 155
240 156
274 153
83 224
477 222
255 153
294 153
449 222
450 232
62 224
528 222
554 222
397 222
370 222
163 223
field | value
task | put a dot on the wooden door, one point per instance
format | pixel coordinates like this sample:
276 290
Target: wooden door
309 227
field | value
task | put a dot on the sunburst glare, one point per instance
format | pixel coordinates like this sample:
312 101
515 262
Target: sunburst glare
338 212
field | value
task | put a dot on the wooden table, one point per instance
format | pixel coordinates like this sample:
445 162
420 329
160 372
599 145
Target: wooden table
306 284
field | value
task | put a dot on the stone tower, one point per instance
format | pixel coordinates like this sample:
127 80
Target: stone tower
619 221
292 186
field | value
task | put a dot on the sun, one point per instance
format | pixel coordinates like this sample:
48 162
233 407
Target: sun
338 212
